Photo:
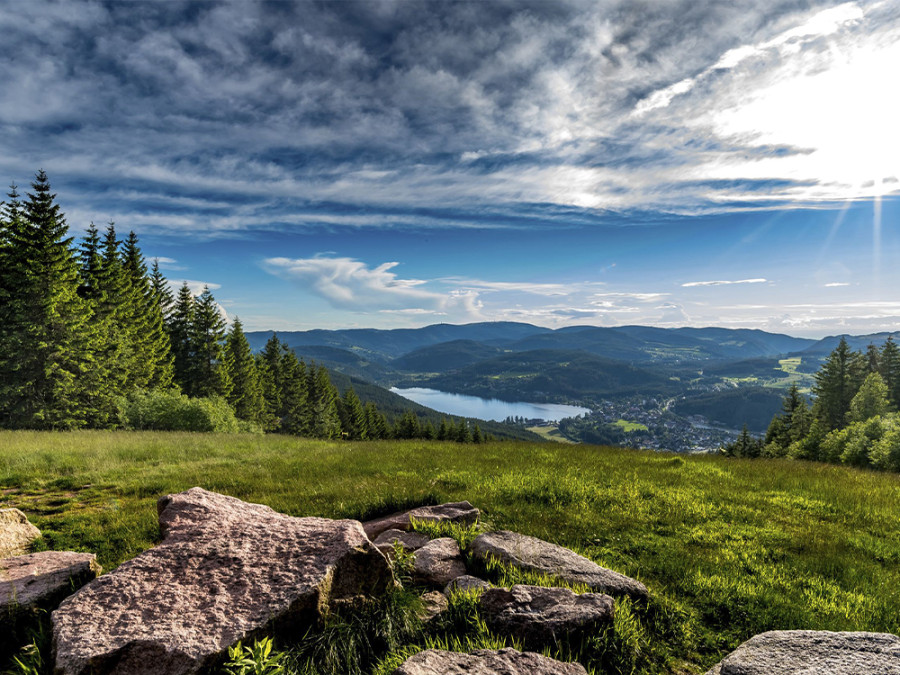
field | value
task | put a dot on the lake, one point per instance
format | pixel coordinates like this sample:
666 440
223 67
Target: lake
487 408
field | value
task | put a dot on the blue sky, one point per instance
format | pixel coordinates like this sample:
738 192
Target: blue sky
401 163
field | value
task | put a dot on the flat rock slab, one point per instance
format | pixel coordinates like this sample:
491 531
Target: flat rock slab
537 555
225 571
485 662
454 512
541 616
43 580
16 533
410 541
438 562
809 652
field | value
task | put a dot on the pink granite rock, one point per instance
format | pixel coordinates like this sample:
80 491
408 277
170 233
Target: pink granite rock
225 571
485 662
16 533
454 512
438 562
43 579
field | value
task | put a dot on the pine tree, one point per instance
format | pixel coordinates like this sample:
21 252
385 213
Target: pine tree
407 425
443 432
476 434
873 359
268 364
462 432
209 369
836 384
890 370
46 333
293 382
322 404
246 395
181 338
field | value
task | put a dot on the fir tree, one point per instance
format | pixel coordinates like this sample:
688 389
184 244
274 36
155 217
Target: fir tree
292 380
376 424
161 290
181 338
322 404
889 363
247 392
354 423
407 425
209 368
836 384
268 363
46 333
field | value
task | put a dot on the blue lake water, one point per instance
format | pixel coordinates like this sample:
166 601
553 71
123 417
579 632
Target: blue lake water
487 408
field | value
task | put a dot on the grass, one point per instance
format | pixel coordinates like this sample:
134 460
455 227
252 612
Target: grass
729 548
551 433
627 426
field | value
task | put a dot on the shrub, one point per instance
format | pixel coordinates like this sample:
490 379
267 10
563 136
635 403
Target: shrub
170 410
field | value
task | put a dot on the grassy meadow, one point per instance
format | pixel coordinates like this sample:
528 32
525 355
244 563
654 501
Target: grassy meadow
728 548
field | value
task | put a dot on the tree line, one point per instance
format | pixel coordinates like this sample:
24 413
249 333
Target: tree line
90 337
853 418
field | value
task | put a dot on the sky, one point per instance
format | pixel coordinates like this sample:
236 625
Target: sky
400 163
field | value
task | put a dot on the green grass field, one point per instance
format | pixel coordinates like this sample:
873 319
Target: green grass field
627 426
729 548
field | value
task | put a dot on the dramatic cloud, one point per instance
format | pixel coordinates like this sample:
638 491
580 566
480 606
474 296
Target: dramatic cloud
226 116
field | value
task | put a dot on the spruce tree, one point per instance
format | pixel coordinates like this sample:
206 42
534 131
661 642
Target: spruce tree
47 334
870 401
836 384
890 370
268 364
355 416
376 424
322 404
209 368
246 395
181 338
152 367
162 292
293 385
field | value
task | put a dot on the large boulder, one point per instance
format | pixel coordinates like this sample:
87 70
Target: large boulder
438 562
544 616
225 571
454 512
537 555
16 533
796 652
485 662
42 580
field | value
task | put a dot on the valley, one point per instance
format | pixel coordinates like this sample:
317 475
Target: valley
681 390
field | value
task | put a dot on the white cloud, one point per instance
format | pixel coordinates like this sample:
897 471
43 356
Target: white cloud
836 284
692 284
351 284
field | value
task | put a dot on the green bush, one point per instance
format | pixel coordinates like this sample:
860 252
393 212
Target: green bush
170 410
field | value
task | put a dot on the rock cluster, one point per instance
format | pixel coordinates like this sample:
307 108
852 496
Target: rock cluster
227 570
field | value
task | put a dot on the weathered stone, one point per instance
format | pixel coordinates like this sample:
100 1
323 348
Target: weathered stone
542 616
485 662
434 603
225 571
537 555
796 652
16 533
43 580
466 583
410 541
438 562
455 512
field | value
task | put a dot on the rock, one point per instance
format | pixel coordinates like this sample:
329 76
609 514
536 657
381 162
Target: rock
438 562
410 541
16 533
43 580
796 652
542 616
225 571
537 555
455 512
434 603
485 662
466 583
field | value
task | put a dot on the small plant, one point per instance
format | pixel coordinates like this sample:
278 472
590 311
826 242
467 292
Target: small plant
402 562
435 529
28 662
257 659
